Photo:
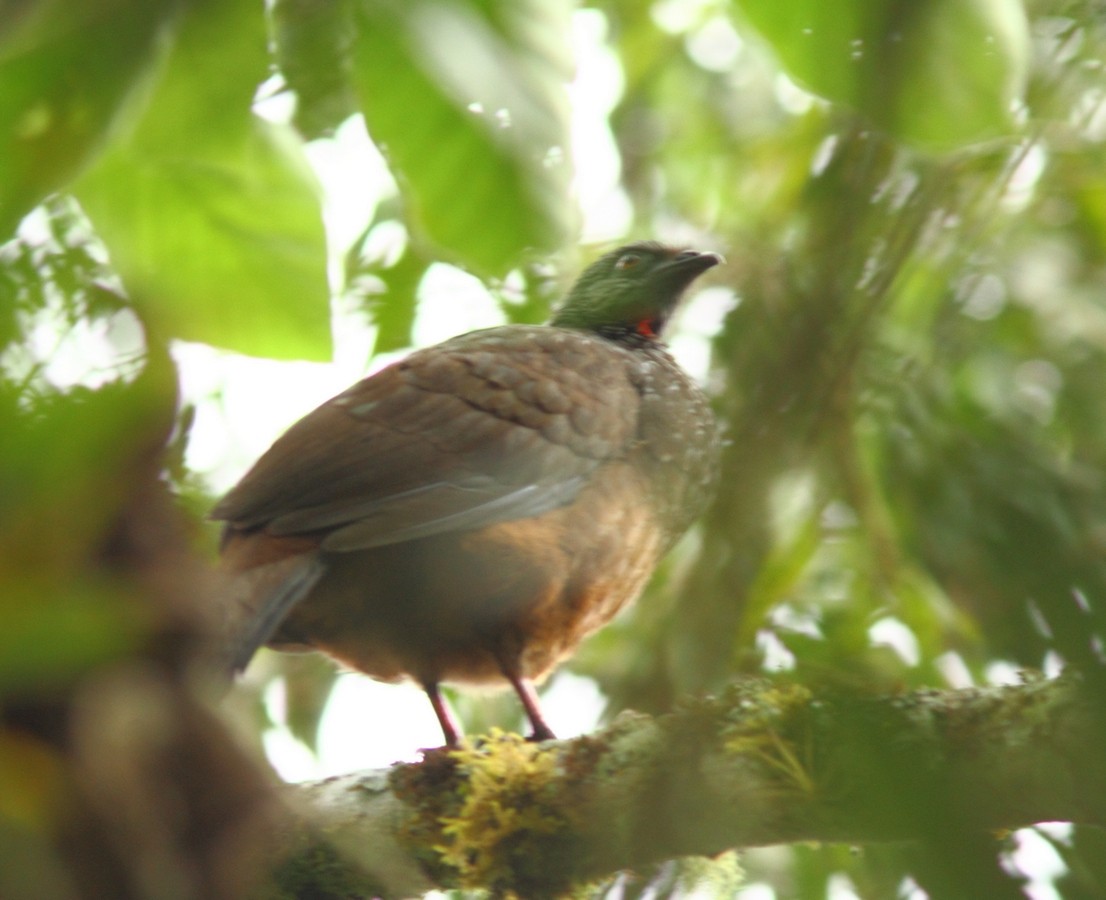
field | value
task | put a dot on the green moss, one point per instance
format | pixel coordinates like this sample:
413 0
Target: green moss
498 819
769 721
320 872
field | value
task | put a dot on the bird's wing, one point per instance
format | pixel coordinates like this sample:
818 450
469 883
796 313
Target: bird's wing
495 425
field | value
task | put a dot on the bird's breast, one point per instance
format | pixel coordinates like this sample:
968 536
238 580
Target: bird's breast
452 607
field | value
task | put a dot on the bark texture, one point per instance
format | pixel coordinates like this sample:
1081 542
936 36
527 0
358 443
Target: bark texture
766 763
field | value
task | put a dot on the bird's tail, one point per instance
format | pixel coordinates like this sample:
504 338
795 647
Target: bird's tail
253 602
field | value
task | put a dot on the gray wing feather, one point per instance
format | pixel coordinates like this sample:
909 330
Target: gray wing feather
380 527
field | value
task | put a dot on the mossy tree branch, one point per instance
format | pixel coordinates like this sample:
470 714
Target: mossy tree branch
767 763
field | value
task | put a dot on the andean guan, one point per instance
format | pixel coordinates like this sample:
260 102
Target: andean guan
471 513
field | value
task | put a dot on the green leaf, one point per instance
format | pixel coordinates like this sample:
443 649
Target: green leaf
394 312
68 458
65 71
210 214
55 630
940 74
312 43
466 102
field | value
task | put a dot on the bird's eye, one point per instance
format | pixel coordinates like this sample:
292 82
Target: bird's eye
627 261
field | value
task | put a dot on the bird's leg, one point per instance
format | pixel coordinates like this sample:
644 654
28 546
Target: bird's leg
529 697
446 718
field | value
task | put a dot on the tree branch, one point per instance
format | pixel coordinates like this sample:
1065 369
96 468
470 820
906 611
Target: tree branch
767 763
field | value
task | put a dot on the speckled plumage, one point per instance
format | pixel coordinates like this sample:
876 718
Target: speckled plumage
474 511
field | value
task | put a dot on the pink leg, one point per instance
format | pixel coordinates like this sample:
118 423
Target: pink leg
446 718
529 697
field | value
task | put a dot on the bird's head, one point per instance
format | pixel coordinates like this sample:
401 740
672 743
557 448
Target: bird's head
632 291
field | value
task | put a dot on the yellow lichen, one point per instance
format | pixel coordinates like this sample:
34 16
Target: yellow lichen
776 753
506 799
763 714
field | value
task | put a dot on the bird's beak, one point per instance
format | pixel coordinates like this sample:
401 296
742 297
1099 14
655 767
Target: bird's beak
690 264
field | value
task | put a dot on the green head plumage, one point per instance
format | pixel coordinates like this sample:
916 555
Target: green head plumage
632 290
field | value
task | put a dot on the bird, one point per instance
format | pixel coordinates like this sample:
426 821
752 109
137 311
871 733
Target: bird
469 514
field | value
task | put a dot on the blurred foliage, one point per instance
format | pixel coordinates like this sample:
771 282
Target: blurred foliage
939 74
65 76
465 102
65 455
912 200
218 225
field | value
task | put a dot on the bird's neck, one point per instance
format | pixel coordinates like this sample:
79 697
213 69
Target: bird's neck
628 336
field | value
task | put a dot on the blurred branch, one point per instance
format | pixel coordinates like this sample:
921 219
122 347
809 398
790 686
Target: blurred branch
767 763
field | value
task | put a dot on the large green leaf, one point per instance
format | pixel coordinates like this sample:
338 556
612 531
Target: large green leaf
65 70
466 101
311 42
937 73
210 213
